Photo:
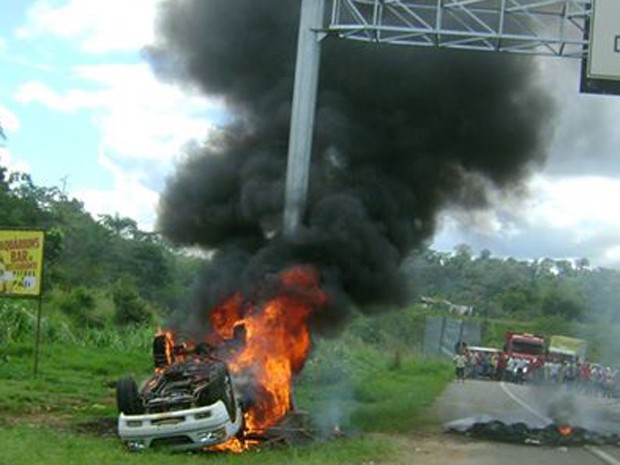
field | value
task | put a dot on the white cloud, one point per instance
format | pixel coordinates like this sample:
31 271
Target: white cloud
567 217
128 197
583 204
8 120
143 127
70 101
143 123
7 160
99 26
139 117
611 256
10 123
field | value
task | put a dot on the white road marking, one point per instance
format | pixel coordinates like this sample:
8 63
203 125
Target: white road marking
523 404
604 456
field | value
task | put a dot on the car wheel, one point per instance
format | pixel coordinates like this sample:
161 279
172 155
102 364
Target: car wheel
127 397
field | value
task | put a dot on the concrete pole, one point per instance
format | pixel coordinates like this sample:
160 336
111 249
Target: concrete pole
303 111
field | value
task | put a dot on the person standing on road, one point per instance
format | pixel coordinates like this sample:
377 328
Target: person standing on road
460 362
494 364
501 367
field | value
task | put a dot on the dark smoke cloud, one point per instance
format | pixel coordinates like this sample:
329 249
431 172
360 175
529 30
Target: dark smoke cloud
401 133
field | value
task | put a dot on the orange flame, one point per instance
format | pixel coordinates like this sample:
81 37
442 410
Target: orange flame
169 344
235 445
265 346
270 343
565 430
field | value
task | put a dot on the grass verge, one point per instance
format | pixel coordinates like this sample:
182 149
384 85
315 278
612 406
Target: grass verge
347 383
27 445
364 389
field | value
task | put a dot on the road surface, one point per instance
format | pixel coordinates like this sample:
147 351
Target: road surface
512 403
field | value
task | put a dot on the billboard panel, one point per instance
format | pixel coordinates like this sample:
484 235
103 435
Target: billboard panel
604 54
21 262
600 71
568 345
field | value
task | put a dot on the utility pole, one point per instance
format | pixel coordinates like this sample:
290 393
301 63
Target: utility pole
303 113
64 180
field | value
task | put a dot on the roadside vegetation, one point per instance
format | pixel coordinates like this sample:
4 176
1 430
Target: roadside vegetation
67 413
109 285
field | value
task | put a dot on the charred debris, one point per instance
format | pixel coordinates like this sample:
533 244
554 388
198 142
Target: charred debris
554 434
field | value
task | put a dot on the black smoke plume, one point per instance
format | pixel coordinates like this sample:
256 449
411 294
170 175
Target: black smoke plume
400 134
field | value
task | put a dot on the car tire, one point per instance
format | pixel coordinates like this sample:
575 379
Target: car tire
127 397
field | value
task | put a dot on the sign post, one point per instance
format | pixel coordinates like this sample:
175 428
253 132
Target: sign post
21 271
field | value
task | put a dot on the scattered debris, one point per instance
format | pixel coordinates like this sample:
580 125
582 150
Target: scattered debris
520 433
294 429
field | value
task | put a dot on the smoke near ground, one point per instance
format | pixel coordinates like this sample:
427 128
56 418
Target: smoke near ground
400 134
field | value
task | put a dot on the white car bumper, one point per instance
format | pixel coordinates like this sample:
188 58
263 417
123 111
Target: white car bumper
183 429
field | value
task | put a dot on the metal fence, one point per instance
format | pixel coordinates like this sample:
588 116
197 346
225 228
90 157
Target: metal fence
442 333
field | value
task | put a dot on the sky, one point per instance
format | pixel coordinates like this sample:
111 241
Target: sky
83 111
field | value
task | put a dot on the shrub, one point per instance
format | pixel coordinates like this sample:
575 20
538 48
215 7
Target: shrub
129 307
80 305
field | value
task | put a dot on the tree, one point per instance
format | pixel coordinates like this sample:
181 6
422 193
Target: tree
485 254
129 307
120 226
561 303
582 264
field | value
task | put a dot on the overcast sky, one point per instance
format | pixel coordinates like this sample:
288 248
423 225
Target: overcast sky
83 112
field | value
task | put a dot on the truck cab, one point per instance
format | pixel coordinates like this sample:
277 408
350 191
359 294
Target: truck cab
528 350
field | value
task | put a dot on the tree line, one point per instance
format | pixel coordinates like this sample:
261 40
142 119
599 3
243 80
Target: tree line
96 270
106 270
570 290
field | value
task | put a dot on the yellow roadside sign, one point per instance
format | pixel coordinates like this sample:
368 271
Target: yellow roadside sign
21 262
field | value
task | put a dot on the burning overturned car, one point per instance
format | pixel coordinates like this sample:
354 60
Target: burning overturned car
191 401
188 403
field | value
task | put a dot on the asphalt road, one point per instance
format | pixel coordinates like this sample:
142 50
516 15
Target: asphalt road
532 405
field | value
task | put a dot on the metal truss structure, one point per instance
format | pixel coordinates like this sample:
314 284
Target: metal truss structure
537 27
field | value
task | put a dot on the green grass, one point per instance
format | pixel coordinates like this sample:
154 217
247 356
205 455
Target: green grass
24 445
396 401
70 380
365 389
66 413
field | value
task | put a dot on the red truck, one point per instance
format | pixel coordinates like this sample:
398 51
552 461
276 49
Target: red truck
528 353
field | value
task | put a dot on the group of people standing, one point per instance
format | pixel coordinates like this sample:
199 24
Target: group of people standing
583 376
586 377
494 365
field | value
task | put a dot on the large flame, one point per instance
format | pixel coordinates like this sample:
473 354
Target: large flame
266 344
